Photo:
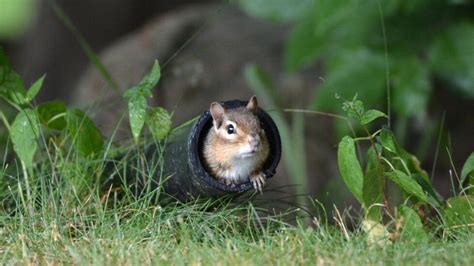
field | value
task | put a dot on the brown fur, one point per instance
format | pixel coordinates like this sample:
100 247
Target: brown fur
221 154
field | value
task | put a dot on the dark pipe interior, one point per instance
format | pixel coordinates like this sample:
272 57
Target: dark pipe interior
204 124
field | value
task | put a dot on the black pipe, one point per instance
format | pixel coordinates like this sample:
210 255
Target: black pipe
184 176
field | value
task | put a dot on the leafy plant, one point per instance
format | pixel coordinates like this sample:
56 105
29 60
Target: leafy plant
30 122
367 46
58 145
387 162
157 118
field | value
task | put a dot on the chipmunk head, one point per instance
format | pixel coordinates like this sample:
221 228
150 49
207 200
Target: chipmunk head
237 130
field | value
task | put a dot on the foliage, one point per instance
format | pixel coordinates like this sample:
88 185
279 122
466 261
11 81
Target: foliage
387 161
386 164
369 45
47 217
26 129
52 129
24 133
157 119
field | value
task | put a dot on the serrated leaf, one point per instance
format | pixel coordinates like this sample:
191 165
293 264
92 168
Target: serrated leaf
407 184
371 115
52 115
277 10
412 227
159 122
24 133
85 136
468 168
349 167
34 89
459 211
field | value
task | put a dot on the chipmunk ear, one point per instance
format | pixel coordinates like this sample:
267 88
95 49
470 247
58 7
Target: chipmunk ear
253 104
218 113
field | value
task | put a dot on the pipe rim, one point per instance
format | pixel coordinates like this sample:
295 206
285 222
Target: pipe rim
196 138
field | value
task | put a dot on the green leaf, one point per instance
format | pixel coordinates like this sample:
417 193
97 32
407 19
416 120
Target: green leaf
452 56
428 188
459 211
34 89
277 10
411 86
52 115
355 108
150 80
371 115
159 122
345 77
137 107
412 230
371 158
86 137
350 168
24 133
387 140
468 168
372 192
407 184
389 143
12 88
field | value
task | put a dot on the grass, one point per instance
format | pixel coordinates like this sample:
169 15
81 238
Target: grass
187 235
61 214
67 223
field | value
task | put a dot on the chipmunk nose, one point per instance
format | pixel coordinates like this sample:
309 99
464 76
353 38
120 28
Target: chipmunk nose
254 140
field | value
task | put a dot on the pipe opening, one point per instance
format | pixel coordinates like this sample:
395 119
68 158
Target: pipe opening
196 142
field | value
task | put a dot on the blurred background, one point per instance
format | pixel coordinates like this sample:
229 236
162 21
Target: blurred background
312 54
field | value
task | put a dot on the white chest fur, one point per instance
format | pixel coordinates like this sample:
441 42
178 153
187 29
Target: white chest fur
241 169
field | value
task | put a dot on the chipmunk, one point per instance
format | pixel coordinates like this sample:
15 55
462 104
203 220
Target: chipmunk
236 146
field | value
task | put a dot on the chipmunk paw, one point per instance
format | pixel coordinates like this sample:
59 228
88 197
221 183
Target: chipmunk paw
258 181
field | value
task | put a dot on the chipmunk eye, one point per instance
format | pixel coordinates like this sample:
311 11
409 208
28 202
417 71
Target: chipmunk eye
230 129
